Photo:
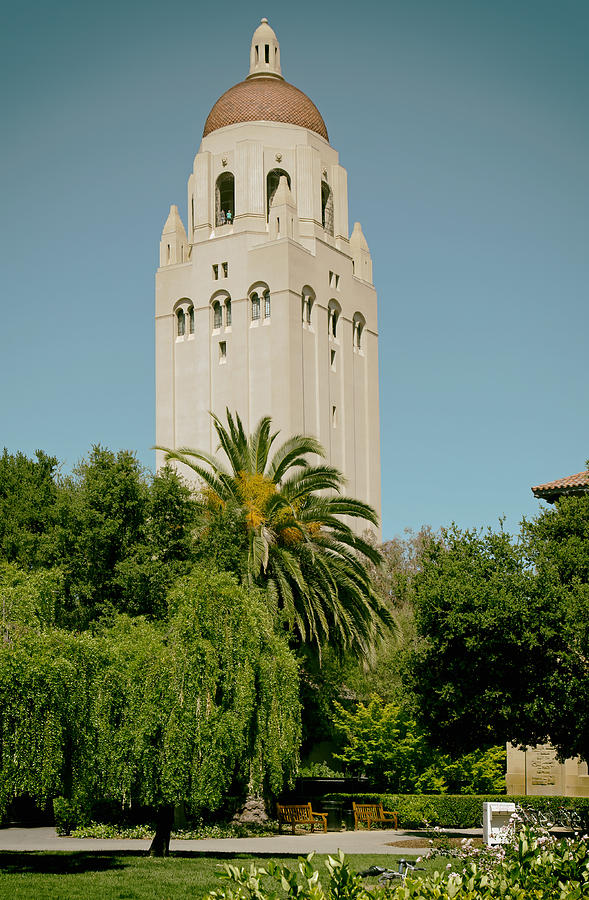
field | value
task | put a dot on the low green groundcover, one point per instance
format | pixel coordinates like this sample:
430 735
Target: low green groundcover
107 831
102 876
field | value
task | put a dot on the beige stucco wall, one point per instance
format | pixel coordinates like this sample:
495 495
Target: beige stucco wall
536 771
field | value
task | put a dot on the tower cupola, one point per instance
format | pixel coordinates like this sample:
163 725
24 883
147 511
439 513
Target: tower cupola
265 53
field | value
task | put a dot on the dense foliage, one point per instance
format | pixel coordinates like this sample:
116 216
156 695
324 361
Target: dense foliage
192 710
503 634
385 743
117 536
299 546
533 867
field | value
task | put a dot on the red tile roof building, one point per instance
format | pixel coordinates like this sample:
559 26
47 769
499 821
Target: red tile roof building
569 485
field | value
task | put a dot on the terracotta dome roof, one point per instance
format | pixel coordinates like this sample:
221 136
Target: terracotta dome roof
265 99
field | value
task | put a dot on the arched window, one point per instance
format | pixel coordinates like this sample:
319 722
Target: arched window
217 315
224 199
255 300
228 312
326 207
272 181
266 304
334 311
307 300
181 322
191 320
359 324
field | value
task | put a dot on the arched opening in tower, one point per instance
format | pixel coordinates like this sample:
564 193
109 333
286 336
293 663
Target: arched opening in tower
224 199
326 207
272 182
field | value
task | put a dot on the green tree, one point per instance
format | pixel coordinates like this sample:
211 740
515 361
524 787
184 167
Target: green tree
298 546
556 543
145 712
385 743
119 537
28 494
503 652
28 599
474 669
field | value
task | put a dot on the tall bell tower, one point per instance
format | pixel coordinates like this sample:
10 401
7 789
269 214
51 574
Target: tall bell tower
265 303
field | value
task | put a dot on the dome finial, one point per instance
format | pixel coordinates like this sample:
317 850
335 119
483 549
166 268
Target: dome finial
265 52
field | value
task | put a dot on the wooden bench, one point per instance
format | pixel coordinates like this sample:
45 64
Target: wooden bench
367 813
300 814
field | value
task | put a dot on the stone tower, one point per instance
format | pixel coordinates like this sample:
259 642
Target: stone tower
265 304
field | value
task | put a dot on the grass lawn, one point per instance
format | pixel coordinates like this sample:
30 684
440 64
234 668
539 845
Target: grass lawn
85 876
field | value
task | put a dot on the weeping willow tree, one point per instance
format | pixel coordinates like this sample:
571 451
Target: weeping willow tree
189 710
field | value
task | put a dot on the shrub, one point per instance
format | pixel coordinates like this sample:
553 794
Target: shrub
384 743
70 814
318 770
458 810
530 869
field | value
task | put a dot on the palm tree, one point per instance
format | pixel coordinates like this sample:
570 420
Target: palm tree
311 563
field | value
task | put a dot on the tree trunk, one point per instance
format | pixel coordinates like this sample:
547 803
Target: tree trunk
160 846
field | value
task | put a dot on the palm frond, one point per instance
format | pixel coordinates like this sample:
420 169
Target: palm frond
293 453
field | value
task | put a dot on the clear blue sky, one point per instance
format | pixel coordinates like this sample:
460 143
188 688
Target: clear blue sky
464 127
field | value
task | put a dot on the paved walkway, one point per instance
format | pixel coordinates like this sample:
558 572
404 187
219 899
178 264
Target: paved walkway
28 839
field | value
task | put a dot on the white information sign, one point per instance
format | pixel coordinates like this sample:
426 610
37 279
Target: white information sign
496 820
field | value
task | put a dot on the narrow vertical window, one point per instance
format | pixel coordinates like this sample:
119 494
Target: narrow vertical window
191 320
359 323
307 306
267 53
326 207
255 307
217 315
222 351
225 267
224 199
333 317
228 313
215 272
181 320
266 304
334 416
332 359
272 181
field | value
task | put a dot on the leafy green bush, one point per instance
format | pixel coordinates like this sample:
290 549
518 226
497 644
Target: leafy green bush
529 869
318 770
458 810
384 742
257 883
105 831
70 814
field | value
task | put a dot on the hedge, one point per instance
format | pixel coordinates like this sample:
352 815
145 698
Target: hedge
457 810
